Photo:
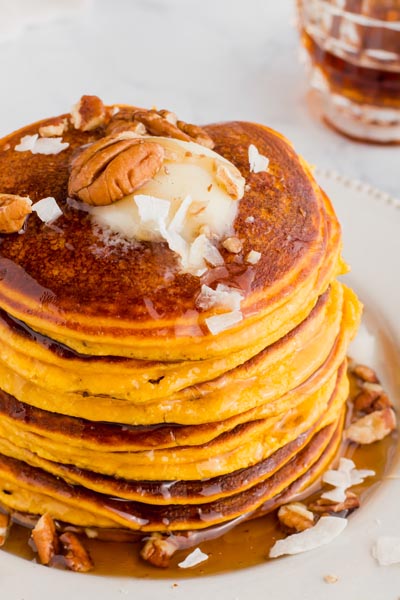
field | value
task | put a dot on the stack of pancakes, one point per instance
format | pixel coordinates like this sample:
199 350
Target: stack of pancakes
119 408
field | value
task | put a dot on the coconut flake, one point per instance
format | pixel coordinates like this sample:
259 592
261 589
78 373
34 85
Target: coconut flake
153 211
342 478
178 220
258 162
253 257
386 550
325 530
194 558
202 249
222 322
47 209
249 219
37 145
223 296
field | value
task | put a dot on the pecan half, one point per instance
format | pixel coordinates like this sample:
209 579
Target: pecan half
372 427
45 538
75 555
158 550
5 526
323 506
13 212
88 113
114 167
162 123
295 516
197 134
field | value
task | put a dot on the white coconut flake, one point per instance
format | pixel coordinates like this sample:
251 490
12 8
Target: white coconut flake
153 211
179 217
386 550
324 532
223 296
223 322
47 209
253 257
258 162
249 219
342 478
37 145
203 249
194 558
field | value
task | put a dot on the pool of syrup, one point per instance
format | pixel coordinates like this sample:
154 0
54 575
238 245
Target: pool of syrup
245 545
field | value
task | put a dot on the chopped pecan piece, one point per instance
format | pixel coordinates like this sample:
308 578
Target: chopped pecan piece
54 129
372 427
88 114
45 538
368 401
13 212
323 506
232 244
114 167
158 549
295 516
230 178
364 373
5 525
76 557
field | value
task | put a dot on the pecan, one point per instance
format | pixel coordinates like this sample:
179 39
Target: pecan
364 373
158 550
372 427
197 134
158 123
295 516
324 506
45 538
75 555
88 113
230 178
5 525
114 167
13 212
54 129
232 244
368 401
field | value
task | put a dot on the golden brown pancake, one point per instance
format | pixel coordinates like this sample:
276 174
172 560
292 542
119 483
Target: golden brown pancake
119 409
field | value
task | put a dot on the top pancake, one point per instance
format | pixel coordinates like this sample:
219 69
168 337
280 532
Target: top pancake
64 281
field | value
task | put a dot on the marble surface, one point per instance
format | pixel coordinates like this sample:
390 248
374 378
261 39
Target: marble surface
208 60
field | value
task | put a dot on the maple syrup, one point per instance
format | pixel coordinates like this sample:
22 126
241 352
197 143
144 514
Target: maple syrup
245 545
354 55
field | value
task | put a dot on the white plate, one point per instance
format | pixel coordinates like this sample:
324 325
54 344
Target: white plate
371 227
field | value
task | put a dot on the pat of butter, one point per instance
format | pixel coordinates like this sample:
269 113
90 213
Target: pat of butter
184 200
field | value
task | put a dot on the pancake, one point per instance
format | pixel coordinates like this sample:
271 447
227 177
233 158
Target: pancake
121 408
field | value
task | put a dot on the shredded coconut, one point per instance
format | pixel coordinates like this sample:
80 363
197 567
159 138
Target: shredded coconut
325 530
47 209
342 478
386 550
223 296
222 322
194 558
37 145
258 162
253 257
